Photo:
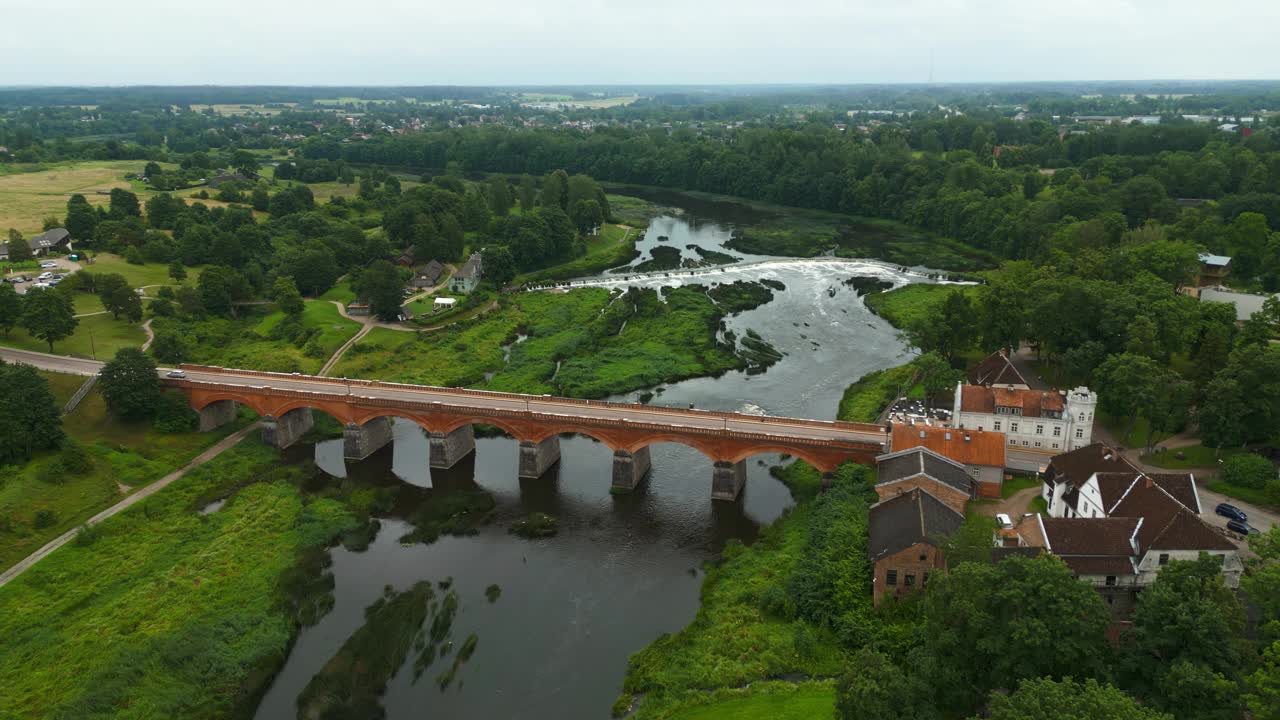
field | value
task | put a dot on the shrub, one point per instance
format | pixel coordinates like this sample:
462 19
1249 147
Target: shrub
313 349
173 415
1248 470
88 535
44 519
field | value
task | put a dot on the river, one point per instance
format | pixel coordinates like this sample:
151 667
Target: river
623 569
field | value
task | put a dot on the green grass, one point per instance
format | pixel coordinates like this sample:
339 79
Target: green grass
1194 456
96 336
905 305
1017 484
1254 496
340 292
613 246
62 386
761 701
661 342
139 275
163 612
122 453
247 342
865 399
1038 505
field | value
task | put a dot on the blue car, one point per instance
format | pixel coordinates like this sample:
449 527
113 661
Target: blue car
1228 510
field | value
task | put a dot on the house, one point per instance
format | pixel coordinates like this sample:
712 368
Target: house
905 533
1042 420
54 240
1213 269
468 276
921 468
428 275
981 453
1246 304
1069 472
358 308
1001 369
220 180
406 257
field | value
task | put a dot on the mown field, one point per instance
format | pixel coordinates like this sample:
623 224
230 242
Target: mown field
124 457
903 306
97 336
28 194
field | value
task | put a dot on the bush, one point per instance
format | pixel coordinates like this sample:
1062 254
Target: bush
1248 470
44 519
88 535
173 415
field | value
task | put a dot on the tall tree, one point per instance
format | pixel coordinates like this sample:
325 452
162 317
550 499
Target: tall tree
555 190
381 285
30 419
288 299
528 193
124 204
48 315
19 249
499 265
10 307
499 195
130 385
177 271
876 688
1049 699
220 288
114 292
81 218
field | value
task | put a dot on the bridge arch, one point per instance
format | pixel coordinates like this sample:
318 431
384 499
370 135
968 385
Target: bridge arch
706 447
822 461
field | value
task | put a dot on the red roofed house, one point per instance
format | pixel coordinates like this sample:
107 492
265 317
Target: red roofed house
982 453
1042 420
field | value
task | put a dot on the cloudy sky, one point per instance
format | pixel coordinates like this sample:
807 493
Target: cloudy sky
486 42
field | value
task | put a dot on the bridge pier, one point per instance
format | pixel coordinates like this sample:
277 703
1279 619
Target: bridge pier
448 448
728 479
537 457
283 431
361 441
629 468
216 414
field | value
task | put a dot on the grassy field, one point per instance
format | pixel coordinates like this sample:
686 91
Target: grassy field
865 399
249 342
139 275
97 336
1239 492
903 306
164 612
340 292
613 246
27 197
762 701
1194 456
62 386
122 454
584 343
250 109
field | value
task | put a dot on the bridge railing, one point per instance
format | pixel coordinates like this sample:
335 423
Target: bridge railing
518 397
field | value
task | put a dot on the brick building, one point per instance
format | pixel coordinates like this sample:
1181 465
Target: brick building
905 534
905 470
982 453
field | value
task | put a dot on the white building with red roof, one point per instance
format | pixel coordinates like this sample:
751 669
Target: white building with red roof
1048 421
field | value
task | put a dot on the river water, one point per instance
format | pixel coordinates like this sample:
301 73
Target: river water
623 568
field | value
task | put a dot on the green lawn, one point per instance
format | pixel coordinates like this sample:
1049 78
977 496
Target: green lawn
1016 484
613 246
905 305
1195 456
97 336
1247 494
139 275
123 453
865 399
762 701
340 292
166 613
62 385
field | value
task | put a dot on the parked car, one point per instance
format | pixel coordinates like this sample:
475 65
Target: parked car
179 374
21 279
1227 510
1004 521
1242 527
44 275
41 285
47 265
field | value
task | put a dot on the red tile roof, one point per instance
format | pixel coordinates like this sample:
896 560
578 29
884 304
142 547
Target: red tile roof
1077 466
968 447
1091 536
979 399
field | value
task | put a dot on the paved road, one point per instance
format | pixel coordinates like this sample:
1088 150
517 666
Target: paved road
543 405
146 492
1260 518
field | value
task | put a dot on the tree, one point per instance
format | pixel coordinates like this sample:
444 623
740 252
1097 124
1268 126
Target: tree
1048 699
220 288
984 634
48 315
245 161
1248 470
1262 583
528 192
81 218
499 195
475 211
130 385
949 330
287 297
936 375
875 688
124 204
30 419
177 271
115 294
499 265
587 216
1188 626
1263 698
381 285
555 190
10 307
169 347
19 249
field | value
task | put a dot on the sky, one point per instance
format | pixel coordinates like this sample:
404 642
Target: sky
515 42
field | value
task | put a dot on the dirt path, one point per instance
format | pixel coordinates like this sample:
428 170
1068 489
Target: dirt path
1015 506
155 487
151 336
329 365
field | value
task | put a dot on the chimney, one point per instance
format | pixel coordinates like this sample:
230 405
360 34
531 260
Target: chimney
1147 482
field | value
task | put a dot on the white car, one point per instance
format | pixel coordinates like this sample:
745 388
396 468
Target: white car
44 276
179 374
1003 521
47 265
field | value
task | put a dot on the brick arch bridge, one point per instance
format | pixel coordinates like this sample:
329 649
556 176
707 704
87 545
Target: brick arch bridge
365 407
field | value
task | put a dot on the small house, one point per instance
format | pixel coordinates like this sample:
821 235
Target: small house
1213 269
905 535
921 468
428 275
468 276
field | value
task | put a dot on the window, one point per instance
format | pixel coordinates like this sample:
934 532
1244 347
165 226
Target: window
891 577
1164 559
1055 446
1037 443
1081 417
1111 581
996 426
923 557
973 470
1057 431
1079 433
1039 429
1012 441
909 580
1025 443
1013 427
